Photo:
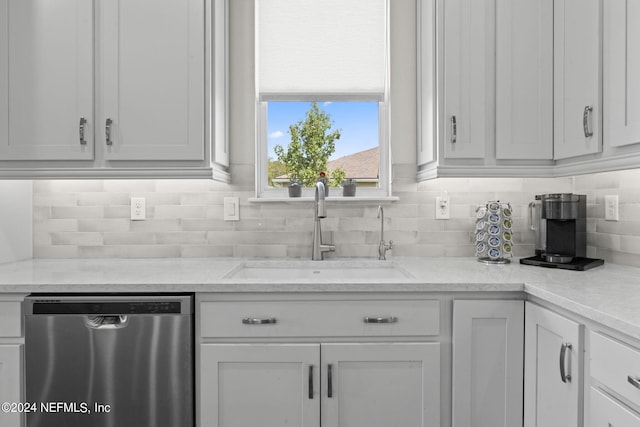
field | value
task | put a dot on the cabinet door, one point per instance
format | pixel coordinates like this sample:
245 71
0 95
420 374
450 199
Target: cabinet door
605 412
552 399
468 77
488 342
380 385
524 72
577 88
267 385
46 79
10 382
621 50
152 79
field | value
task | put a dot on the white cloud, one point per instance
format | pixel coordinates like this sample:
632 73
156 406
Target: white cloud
327 103
276 134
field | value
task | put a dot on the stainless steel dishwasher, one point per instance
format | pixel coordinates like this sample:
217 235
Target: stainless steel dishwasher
109 360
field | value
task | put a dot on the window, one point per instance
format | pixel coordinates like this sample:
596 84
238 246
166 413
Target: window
331 55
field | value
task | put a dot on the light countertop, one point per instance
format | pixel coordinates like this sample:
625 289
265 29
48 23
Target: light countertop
609 294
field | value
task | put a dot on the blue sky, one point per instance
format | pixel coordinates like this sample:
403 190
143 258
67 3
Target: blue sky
358 122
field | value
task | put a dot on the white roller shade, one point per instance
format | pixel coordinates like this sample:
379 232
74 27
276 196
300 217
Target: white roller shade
322 47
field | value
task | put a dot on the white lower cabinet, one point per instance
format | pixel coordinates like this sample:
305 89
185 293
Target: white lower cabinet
380 384
553 369
606 412
264 385
488 341
11 356
369 384
10 383
276 363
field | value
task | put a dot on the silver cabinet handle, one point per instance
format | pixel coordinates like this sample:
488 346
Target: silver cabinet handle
634 381
586 119
532 213
83 122
390 319
310 381
454 129
107 131
563 351
254 321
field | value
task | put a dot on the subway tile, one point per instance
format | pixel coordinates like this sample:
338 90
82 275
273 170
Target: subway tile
129 238
206 251
171 211
129 251
77 212
260 251
76 238
104 225
156 225
182 237
47 251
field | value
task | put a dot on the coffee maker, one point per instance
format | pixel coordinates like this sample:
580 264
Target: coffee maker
560 224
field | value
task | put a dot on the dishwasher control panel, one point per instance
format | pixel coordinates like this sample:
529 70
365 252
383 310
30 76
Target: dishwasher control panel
107 306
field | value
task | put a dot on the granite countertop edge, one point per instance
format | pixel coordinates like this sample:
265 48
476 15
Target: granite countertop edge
607 295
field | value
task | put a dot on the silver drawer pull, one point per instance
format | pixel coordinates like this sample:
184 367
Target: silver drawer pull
566 378
634 381
253 321
391 319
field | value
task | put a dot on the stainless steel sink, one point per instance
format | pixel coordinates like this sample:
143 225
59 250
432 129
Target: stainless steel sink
339 271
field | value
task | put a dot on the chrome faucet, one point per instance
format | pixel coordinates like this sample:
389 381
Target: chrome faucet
320 209
383 247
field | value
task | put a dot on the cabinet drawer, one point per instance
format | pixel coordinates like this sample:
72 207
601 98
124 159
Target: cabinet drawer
616 365
605 412
320 318
10 319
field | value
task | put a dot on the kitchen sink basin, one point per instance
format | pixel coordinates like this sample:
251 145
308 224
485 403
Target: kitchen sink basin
339 271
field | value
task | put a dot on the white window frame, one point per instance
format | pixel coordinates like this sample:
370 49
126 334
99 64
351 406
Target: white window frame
382 192
263 191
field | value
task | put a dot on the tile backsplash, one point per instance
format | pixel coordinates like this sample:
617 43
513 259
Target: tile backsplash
90 218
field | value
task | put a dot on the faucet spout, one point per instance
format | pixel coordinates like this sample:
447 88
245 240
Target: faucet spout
382 246
318 249
321 210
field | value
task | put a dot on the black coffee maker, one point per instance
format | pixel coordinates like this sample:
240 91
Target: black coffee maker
560 223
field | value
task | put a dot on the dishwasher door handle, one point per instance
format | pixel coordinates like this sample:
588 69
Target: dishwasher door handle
106 322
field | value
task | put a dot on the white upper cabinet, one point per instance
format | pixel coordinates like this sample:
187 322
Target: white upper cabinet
578 113
113 88
621 51
493 102
46 80
524 79
468 49
152 79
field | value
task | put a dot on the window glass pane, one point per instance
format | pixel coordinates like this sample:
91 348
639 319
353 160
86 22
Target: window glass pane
355 151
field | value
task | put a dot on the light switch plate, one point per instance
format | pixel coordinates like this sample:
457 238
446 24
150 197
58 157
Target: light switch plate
611 211
231 209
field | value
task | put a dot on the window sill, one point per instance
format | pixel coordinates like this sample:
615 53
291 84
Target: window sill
336 199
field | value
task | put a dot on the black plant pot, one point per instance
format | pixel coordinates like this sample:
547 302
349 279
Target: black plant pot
295 190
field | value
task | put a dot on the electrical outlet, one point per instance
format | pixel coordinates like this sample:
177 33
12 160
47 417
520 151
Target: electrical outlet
611 208
442 207
138 209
